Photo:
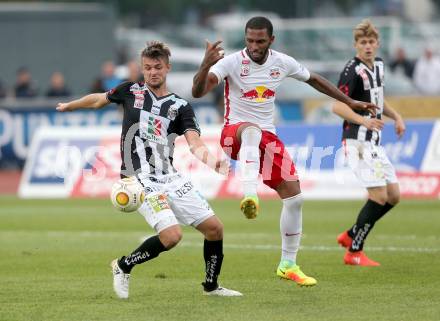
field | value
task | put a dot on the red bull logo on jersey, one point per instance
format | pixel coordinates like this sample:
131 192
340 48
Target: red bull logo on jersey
259 94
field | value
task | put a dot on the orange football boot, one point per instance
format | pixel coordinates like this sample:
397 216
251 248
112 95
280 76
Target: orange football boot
358 258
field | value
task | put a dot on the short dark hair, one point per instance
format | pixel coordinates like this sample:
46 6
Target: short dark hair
156 50
259 23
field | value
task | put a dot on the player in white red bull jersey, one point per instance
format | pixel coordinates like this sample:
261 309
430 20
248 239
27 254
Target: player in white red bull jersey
251 78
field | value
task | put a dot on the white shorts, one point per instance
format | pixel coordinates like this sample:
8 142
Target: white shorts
172 200
369 163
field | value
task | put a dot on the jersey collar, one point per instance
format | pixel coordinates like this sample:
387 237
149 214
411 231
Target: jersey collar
245 55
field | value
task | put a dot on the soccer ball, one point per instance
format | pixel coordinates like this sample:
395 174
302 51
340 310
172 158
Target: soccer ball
127 194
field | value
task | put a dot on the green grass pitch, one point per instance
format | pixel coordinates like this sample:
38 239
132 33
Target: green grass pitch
55 255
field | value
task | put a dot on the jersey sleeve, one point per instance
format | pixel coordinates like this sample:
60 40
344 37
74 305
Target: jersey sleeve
295 69
222 67
187 120
348 80
117 94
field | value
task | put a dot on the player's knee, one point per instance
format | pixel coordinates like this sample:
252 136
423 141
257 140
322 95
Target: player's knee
294 203
170 237
393 198
215 232
381 198
252 128
251 132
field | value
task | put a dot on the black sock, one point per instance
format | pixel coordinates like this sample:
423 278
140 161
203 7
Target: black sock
385 210
148 250
213 255
365 222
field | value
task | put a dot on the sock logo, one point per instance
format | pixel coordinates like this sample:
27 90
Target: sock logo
210 269
358 240
136 257
292 234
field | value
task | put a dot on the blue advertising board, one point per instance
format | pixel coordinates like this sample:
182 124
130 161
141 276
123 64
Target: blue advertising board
17 126
316 146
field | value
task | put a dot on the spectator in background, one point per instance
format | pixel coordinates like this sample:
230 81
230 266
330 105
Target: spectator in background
57 86
134 72
97 86
23 85
109 80
427 73
400 62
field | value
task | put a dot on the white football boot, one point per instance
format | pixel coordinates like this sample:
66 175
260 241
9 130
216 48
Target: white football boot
220 291
121 280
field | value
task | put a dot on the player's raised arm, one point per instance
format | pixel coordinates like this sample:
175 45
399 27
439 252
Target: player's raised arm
326 87
204 81
202 153
343 111
92 101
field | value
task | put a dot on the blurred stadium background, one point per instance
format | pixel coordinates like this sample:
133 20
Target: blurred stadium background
54 51
57 51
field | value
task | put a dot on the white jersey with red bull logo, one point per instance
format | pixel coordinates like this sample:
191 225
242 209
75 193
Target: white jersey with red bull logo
250 88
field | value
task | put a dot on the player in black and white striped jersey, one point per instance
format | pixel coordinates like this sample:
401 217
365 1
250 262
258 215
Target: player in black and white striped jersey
153 118
363 79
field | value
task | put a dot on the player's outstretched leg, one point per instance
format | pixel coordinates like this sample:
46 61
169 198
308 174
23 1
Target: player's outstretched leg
122 267
249 157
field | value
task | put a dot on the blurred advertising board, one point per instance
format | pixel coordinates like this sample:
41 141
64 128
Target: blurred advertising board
74 162
18 125
319 110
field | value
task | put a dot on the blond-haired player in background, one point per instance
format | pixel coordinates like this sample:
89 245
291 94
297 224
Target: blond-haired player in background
363 78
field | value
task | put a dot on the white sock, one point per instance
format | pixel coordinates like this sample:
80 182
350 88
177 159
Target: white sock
249 157
291 227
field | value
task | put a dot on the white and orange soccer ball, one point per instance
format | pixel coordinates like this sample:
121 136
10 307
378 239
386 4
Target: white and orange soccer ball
127 194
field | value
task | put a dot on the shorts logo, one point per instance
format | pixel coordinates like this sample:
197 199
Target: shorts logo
184 189
158 202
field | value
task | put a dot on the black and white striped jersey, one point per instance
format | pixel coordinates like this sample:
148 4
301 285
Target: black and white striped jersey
149 127
361 83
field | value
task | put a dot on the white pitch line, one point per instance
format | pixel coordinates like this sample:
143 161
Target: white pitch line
319 248
184 243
